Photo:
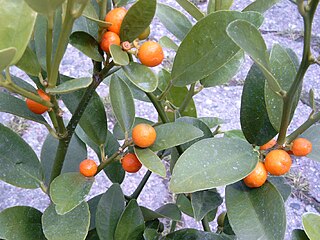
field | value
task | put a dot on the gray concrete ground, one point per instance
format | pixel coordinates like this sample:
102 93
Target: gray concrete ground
282 25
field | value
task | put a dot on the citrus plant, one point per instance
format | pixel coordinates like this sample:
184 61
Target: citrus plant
208 52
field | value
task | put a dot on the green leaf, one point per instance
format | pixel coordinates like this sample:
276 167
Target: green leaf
119 56
109 210
151 161
17 22
29 63
137 19
86 44
167 136
169 210
72 225
90 13
223 74
122 103
216 5
194 234
69 190
153 229
254 119
175 21
191 9
203 202
93 204
141 76
92 235
119 134
260 6
311 225
44 7
166 42
184 204
211 122
120 3
248 37
284 70
84 24
21 223
95 128
312 134
76 153
40 31
234 134
131 223
18 107
212 162
71 86
6 57
257 213
282 186
298 234
19 163
194 61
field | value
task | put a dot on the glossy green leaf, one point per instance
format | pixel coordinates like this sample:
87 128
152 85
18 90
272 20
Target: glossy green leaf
175 21
6 57
260 6
212 163
131 223
184 204
248 37
282 186
85 43
18 107
141 76
151 161
16 29
119 134
76 153
109 210
211 122
90 13
44 7
169 210
84 24
122 103
284 70
137 19
72 225
152 231
194 234
216 5
174 134
311 225
298 234
69 190
225 72
234 134
194 60
24 84
19 163
71 86
312 134
254 119
191 9
227 229
21 223
203 202
257 213
166 42
40 31
95 128
93 204
119 56
29 63
92 235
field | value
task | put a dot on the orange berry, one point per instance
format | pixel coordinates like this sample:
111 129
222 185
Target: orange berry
143 135
37 107
301 147
268 145
109 38
278 162
150 54
115 16
257 177
88 168
130 163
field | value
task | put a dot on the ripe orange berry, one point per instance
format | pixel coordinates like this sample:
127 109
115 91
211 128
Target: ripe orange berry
109 38
278 162
115 16
301 147
130 163
268 145
257 177
143 135
150 54
88 168
37 107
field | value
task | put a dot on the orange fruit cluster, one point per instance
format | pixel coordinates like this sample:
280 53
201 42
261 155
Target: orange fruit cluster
38 108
